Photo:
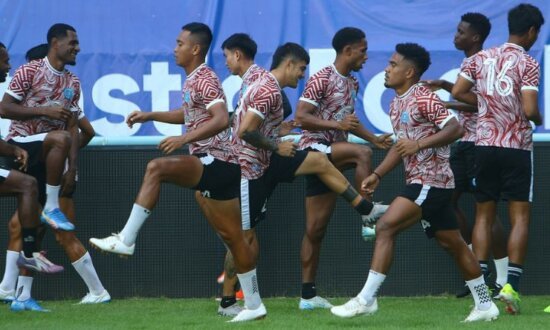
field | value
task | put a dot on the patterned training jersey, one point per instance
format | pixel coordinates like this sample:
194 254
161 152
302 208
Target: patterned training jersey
265 100
202 89
38 84
417 114
468 120
333 95
250 76
499 75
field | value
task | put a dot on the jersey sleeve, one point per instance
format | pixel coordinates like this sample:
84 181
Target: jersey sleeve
315 88
21 82
468 69
211 91
431 107
531 76
262 101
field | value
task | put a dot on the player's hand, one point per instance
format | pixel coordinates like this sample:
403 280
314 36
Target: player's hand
383 141
406 147
287 149
171 144
286 127
58 113
349 123
434 85
136 117
369 184
21 157
68 183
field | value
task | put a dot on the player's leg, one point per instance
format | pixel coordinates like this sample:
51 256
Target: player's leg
11 271
401 214
318 164
500 254
184 171
350 155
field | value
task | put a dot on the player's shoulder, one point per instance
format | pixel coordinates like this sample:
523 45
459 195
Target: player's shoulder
323 74
423 94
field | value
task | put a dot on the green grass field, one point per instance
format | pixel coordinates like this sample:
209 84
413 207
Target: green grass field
443 312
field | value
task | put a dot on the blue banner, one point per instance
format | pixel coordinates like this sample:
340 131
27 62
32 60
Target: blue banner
126 60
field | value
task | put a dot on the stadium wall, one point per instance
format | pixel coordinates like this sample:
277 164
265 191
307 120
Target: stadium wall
178 255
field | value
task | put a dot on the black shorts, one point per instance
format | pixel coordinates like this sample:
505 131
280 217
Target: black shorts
314 185
437 213
503 173
219 180
35 166
463 165
255 193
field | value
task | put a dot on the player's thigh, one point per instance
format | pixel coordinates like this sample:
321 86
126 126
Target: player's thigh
223 216
185 171
15 182
344 153
402 214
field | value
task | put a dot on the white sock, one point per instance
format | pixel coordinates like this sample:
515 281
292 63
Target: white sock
471 247
480 293
24 285
501 265
52 197
11 272
86 270
136 219
251 291
373 283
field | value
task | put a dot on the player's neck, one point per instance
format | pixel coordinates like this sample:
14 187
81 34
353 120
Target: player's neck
474 50
342 67
280 76
193 65
56 63
245 67
518 40
405 87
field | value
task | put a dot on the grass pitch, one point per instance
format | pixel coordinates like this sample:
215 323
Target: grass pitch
442 312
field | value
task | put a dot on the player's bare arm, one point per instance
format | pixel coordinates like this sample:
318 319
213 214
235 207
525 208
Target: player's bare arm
217 123
450 133
171 117
87 132
11 109
529 100
19 154
392 159
383 141
438 84
462 91
306 119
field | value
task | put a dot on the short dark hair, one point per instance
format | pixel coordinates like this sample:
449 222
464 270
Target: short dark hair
58 30
346 36
202 33
522 17
292 50
242 42
415 53
479 22
37 52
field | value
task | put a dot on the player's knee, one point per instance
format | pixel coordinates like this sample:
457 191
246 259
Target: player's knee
29 186
59 138
153 168
363 155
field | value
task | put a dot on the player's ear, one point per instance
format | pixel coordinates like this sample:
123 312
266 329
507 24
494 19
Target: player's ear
476 38
196 49
347 50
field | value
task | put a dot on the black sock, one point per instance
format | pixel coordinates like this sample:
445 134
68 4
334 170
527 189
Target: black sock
29 241
484 268
364 207
228 301
308 290
514 274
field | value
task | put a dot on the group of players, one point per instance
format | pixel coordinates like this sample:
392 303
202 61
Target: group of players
235 169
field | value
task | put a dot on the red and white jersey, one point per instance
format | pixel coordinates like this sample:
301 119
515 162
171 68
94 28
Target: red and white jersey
468 120
264 99
333 95
38 84
250 76
415 115
202 89
499 75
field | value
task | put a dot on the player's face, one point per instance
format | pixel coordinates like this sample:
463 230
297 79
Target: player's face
231 61
464 36
68 47
184 49
396 71
296 71
358 55
4 64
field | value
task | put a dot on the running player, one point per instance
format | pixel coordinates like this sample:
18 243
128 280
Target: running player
211 168
506 79
326 114
424 129
470 34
